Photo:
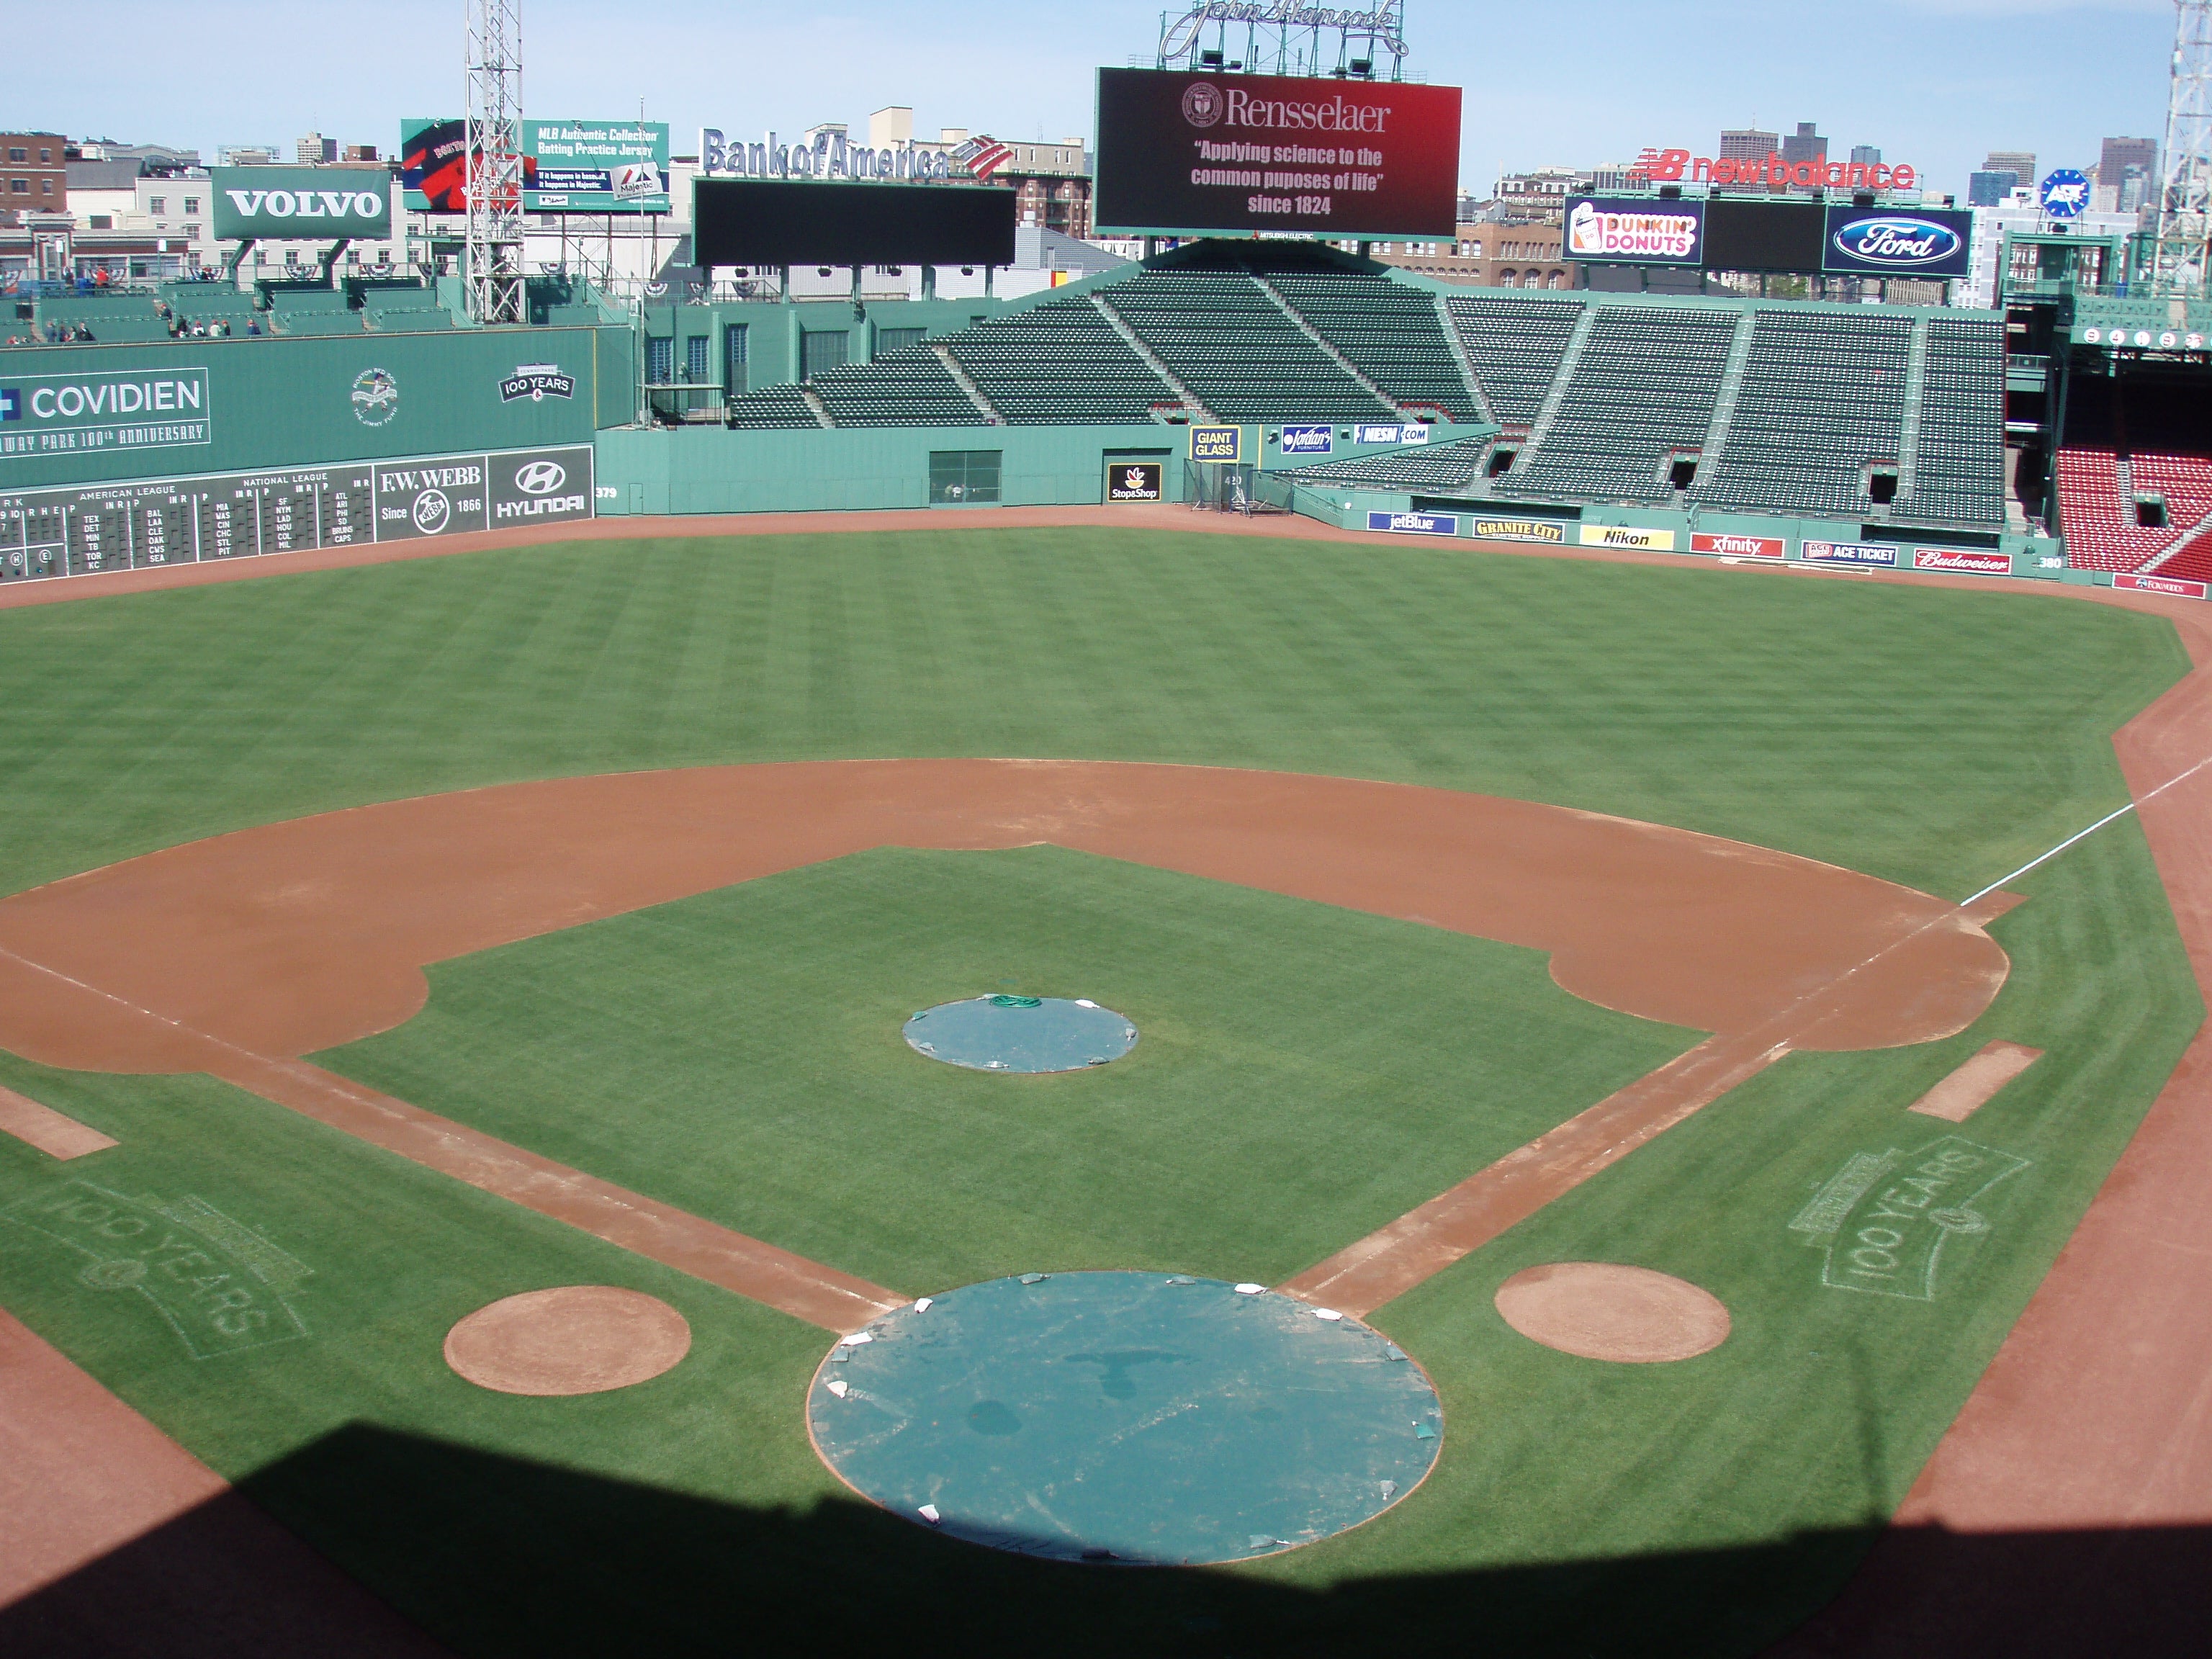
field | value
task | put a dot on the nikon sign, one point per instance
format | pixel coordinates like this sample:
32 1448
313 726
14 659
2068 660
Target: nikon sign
300 204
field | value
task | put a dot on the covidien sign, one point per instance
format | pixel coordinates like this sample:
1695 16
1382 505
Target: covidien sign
300 204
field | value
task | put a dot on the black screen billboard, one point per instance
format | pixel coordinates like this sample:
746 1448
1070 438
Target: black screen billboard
1753 235
759 221
1188 154
1922 242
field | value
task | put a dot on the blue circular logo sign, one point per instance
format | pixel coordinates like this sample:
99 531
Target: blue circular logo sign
2065 194
1897 241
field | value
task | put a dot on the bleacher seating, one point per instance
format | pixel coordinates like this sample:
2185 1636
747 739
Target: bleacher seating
2098 519
1059 364
1445 467
407 319
777 406
1515 347
318 322
1823 396
1959 466
1388 332
1643 389
1233 347
907 387
2193 563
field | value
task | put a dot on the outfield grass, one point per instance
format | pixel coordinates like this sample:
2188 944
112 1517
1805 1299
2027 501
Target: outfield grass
1304 1072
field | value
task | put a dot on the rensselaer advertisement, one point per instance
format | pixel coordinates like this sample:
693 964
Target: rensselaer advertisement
1184 153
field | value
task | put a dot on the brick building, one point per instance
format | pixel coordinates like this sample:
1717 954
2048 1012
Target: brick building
34 176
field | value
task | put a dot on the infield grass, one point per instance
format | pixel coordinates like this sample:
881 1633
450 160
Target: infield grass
1304 1072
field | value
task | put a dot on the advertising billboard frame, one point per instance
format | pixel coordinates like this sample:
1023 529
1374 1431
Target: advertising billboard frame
1951 264
604 150
1232 184
275 203
1599 209
913 224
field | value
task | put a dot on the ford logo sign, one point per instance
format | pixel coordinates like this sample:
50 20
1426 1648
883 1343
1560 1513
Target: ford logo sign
1898 240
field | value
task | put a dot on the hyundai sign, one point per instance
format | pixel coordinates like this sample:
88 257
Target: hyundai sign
300 204
1923 242
1186 154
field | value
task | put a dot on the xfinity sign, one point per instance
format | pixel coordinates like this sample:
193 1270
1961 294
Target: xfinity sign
300 204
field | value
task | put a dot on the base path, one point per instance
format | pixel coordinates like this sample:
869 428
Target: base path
115 1541
234 955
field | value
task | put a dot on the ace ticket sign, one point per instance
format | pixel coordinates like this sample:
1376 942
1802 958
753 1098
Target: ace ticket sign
1190 153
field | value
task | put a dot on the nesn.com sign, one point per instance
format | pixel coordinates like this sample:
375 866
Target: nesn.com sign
1415 524
1308 440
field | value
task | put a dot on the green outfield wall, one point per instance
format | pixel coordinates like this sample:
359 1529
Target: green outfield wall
81 414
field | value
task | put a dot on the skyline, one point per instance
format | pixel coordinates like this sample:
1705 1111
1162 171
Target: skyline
1935 82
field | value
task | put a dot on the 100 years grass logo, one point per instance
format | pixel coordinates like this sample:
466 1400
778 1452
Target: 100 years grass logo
1883 1219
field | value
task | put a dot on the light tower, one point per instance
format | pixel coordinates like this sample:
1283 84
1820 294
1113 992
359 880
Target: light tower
2184 206
492 254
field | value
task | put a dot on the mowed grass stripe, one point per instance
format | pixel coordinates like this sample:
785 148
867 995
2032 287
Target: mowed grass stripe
1304 1074
1931 737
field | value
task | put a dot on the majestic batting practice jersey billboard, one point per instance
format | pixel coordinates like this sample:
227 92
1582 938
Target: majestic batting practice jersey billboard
1187 152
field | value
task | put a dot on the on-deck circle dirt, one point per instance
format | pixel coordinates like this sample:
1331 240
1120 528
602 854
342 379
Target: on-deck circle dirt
1606 1310
1138 1418
574 1339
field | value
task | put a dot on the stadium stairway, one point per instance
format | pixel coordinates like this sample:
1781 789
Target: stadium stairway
2097 508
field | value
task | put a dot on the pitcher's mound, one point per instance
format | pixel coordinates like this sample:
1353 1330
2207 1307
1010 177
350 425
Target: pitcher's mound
1602 1310
577 1339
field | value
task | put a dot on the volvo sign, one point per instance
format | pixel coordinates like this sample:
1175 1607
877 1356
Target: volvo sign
300 204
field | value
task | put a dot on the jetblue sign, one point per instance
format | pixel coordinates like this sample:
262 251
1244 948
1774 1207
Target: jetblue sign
1415 524
1932 242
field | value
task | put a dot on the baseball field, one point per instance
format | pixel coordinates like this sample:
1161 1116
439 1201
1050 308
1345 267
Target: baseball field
424 934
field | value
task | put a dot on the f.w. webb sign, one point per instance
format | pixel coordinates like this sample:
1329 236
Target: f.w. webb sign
300 204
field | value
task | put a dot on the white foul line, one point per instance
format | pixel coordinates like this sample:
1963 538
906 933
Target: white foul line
2091 830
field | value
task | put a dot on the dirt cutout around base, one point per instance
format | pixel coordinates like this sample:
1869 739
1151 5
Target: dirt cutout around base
1967 1090
1605 1310
44 1127
574 1339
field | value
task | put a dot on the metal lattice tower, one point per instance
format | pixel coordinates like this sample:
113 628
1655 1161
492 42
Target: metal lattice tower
2184 216
492 255
1281 37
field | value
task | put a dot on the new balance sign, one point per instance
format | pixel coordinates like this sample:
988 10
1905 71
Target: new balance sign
1960 558
1416 524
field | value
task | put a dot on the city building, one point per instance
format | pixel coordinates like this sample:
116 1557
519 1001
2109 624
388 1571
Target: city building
1866 155
314 149
34 178
1804 145
101 192
1990 186
358 153
2021 163
152 159
1749 144
246 155
1488 253
1542 193
2119 154
2022 214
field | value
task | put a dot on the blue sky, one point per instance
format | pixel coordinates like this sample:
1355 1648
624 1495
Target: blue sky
1936 82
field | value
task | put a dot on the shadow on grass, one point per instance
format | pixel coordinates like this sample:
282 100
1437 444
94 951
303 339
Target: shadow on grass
500 1556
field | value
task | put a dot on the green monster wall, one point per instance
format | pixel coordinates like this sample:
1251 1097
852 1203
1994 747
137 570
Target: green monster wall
272 402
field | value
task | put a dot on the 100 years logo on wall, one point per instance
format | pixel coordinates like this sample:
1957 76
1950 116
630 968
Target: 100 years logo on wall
375 397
